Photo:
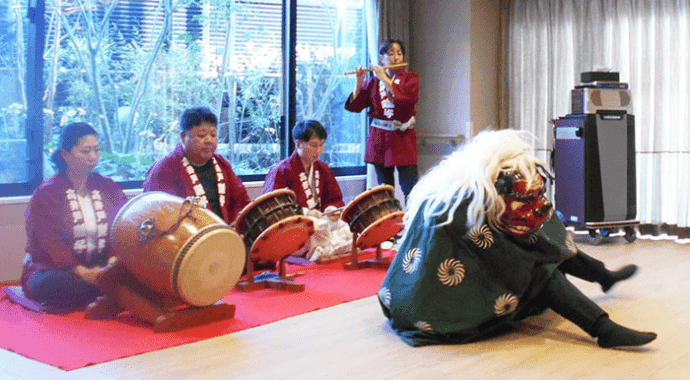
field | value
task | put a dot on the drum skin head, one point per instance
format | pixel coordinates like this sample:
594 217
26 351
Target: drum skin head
381 230
211 264
248 209
346 217
282 239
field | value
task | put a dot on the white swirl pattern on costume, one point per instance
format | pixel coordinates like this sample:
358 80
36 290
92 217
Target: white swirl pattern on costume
505 304
424 326
411 260
451 272
385 297
482 237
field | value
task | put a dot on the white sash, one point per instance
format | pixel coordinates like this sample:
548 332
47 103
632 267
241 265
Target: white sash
199 188
311 187
79 228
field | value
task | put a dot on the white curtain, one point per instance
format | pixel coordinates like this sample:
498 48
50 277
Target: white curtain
548 43
371 9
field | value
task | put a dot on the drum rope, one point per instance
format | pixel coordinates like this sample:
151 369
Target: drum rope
189 200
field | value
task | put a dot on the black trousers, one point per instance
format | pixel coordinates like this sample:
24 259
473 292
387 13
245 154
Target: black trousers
60 288
407 176
561 296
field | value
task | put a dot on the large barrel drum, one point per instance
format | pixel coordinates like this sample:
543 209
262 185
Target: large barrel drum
177 248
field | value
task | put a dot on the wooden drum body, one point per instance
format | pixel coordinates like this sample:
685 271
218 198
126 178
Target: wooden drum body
177 248
374 216
273 227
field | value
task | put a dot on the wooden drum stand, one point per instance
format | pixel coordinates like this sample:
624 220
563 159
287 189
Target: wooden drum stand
175 261
272 230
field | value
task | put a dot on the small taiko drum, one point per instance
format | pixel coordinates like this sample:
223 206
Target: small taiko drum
177 248
374 216
273 226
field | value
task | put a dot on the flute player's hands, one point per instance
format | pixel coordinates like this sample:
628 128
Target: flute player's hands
361 73
381 73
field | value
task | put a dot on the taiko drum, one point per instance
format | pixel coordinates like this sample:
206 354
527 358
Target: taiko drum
273 226
374 216
177 248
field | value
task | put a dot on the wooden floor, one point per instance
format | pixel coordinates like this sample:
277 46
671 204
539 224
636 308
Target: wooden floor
353 340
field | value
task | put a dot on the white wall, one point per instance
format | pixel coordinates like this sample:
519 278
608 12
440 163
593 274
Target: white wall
440 53
13 233
454 48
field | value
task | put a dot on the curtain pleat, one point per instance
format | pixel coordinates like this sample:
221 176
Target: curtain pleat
548 43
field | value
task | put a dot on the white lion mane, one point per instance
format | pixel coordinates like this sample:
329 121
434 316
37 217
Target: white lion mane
472 170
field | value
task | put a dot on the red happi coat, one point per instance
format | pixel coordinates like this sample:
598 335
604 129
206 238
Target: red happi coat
51 217
169 175
290 174
389 148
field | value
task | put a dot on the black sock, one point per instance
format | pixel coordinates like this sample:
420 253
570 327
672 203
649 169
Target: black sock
611 334
622 274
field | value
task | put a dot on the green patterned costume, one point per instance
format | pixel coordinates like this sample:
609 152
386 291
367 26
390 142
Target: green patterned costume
446 285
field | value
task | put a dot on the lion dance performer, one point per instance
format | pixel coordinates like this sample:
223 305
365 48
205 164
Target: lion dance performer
482 250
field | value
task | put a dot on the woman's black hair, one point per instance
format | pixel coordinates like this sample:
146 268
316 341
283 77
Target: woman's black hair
69 137
385 45
305 129
191 117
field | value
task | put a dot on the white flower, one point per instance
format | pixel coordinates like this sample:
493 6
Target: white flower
451 272
424 326
412 259
482 237
505 304
385 297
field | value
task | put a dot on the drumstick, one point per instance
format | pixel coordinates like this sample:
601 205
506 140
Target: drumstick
333 211
371 69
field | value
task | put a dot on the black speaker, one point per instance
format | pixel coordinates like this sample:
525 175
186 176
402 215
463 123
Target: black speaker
594 164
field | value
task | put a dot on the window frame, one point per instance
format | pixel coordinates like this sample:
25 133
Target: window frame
35 37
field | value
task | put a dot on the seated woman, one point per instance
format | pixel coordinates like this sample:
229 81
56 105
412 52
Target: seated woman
67 224
482 249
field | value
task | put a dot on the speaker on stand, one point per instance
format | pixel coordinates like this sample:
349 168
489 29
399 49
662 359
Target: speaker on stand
594 159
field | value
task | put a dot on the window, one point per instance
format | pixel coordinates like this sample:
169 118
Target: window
130 67
13 97
330 42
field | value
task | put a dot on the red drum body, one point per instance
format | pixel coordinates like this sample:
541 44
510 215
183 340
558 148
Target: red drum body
374 216
273 227
177 248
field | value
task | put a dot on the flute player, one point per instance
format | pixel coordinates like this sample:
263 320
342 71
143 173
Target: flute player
390 95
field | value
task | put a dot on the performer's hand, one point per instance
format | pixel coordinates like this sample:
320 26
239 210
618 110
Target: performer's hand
89 275
333 213
361 74
380 72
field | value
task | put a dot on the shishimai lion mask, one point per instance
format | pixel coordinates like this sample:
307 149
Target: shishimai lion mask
506 186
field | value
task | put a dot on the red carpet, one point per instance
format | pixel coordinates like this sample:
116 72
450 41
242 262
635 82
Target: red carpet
71 342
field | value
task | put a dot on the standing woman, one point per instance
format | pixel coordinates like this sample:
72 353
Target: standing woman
67 224
390 95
